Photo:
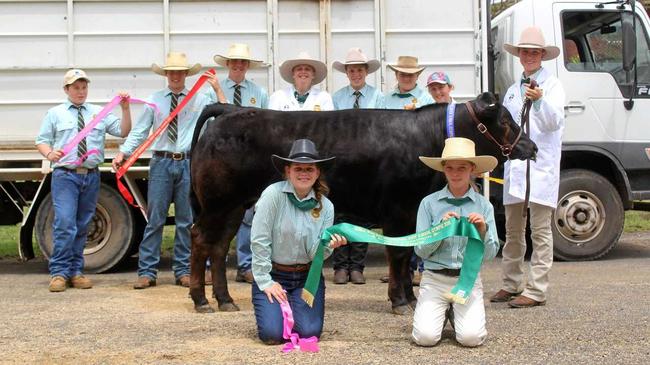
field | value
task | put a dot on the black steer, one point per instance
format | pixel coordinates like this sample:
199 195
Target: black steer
377 177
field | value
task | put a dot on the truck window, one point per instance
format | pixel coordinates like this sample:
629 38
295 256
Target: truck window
593 42
502 63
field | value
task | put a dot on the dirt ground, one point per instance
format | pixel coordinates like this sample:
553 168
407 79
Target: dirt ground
598 312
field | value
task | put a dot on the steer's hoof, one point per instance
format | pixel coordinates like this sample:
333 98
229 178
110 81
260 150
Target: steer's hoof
401 310
228 307
413 304
205 308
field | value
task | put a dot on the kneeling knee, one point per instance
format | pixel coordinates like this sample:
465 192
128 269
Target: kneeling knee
426 339
471 339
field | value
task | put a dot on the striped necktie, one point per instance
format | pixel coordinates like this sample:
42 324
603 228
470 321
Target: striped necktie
357 95
82 148
237 96
172 130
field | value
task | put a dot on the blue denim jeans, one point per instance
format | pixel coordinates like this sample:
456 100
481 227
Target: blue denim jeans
307 321
169 181
244 254
74 197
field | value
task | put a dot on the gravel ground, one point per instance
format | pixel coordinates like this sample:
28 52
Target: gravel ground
598 312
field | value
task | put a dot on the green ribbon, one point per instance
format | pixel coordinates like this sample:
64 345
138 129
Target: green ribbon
451 227
308 204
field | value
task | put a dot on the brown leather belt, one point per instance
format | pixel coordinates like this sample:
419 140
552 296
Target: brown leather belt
446 272
291 268
80 170
173 155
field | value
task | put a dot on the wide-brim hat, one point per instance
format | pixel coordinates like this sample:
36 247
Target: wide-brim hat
286 68
356 57
302 151
461 149
407 65
73 75
238 51
532 37
176 61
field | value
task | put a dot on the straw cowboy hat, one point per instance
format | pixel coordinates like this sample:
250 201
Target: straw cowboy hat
73 75
532 37
286 68
407 64
302 151
176 61
238 51
356 57
458 148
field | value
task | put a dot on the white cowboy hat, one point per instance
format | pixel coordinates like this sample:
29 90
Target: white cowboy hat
532 37
238 51
407 65
176 61
356 57
286 68
73 75
463 149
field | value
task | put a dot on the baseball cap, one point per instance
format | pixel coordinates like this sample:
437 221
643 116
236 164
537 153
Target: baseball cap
73 75
439 78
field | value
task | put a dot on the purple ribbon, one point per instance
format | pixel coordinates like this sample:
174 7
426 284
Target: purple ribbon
295 342
89 127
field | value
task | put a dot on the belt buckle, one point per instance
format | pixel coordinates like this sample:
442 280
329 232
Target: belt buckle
177 156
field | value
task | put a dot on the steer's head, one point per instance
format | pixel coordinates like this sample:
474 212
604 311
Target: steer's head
509 140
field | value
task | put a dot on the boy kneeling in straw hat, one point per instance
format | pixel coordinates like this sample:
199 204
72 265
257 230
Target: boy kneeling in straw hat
443 259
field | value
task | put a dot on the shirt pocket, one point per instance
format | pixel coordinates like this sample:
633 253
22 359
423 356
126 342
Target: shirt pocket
95 139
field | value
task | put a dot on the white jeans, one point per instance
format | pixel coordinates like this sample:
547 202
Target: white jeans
513 252
429 317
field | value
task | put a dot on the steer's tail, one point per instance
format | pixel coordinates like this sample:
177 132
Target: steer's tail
210 111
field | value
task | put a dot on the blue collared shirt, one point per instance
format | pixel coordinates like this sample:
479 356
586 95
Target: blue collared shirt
149 118
284 234
396 100
448 253
370 98
60 126
251 94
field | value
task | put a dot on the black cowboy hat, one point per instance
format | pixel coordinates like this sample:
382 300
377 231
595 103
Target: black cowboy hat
302 151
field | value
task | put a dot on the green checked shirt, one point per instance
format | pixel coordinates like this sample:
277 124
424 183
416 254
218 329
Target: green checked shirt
448 253
284 234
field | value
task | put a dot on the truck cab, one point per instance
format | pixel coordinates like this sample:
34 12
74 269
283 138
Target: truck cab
604 66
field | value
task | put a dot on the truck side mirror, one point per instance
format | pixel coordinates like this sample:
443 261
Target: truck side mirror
629 41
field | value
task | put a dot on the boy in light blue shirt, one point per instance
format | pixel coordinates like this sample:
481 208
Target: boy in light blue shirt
358 94
407 95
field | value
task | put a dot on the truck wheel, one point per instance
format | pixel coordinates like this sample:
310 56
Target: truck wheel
110 233
588 220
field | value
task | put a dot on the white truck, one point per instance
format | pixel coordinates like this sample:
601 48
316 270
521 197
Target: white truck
604 67
116 41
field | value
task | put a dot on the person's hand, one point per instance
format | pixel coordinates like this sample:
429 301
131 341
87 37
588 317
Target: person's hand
212 79
54 155
533 94
276 291
409 106
338 241
449 215
478 221
124 103
117 161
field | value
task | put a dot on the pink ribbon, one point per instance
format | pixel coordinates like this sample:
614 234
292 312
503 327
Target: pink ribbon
296 343
89 127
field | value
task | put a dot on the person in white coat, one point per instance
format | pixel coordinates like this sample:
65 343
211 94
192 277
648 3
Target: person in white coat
546 127
302 73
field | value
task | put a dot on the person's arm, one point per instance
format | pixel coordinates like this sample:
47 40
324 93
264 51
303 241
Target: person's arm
491 239
326 102
125 123
275 101
45 138
424 222
328 221
264 99
136 136
266 210
213 80
549 107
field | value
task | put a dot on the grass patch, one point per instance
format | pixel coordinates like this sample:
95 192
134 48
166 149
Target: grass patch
637 221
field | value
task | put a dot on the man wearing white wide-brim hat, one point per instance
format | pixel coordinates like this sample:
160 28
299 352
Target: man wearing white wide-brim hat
546 127
444 259
303 73
407 94
241 91
169 168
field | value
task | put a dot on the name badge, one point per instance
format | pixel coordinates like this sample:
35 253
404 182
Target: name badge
316 108
253 101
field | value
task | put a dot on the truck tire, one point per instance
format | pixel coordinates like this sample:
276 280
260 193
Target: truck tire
589 217
110 233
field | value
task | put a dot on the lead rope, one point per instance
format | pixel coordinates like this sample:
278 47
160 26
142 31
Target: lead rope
525 125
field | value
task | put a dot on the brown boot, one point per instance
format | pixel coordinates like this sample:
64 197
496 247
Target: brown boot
144 282
384 279
356 277
81 282
183 281
341 276
57 284
417 276
502 296
244 276
522 301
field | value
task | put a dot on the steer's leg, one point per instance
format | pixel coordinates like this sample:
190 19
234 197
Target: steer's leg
400 287
200 253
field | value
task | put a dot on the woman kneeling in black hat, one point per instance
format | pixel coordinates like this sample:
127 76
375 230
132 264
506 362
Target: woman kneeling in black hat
290 217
